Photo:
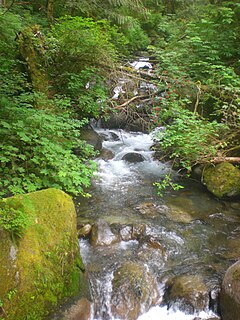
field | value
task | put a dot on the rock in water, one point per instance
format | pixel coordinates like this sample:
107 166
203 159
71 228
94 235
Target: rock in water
134 291
102 235
230 294
133 157
188 293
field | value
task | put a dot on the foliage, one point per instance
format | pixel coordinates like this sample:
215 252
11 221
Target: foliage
166 183
86 92
189 139
76 43
36 151
12 220
137 38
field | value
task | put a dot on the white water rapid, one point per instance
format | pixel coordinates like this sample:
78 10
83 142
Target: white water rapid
120 188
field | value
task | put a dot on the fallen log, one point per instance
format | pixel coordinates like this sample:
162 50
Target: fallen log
234 160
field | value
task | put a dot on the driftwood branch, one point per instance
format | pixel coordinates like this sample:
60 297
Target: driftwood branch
130 100
234 160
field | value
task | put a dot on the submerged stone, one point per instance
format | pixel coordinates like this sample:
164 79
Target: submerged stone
222 180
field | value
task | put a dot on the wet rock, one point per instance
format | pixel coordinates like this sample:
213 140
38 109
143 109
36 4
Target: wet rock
230 294
106 154
134 291
126 233
151 249
152 210
133 157
138 231
114 136
84 232
91 137
82 310
101 234
222 180
187 293
132 232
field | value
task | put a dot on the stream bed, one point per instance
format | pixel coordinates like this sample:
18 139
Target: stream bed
193 237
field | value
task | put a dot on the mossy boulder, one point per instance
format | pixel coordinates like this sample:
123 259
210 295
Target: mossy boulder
222 180
230 294
42 266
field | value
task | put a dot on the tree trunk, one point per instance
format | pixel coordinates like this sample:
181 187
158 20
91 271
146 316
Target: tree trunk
31 47
50 6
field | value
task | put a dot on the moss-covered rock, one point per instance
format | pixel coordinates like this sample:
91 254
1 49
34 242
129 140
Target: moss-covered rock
43 265
223 180
230 294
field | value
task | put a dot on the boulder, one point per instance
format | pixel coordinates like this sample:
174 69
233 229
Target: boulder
187 293
102 235
222 180
134 292
91 137
230 293
133 157
41 265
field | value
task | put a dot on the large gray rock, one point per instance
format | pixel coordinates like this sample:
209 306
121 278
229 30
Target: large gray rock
230 294
134 291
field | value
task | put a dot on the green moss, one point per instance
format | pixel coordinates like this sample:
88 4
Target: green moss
31 46
222 180
45 265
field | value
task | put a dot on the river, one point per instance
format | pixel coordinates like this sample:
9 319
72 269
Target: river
198 233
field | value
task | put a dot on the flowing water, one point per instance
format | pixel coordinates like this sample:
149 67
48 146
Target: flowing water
198 233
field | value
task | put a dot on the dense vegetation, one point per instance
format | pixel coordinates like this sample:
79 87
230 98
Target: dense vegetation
55 62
